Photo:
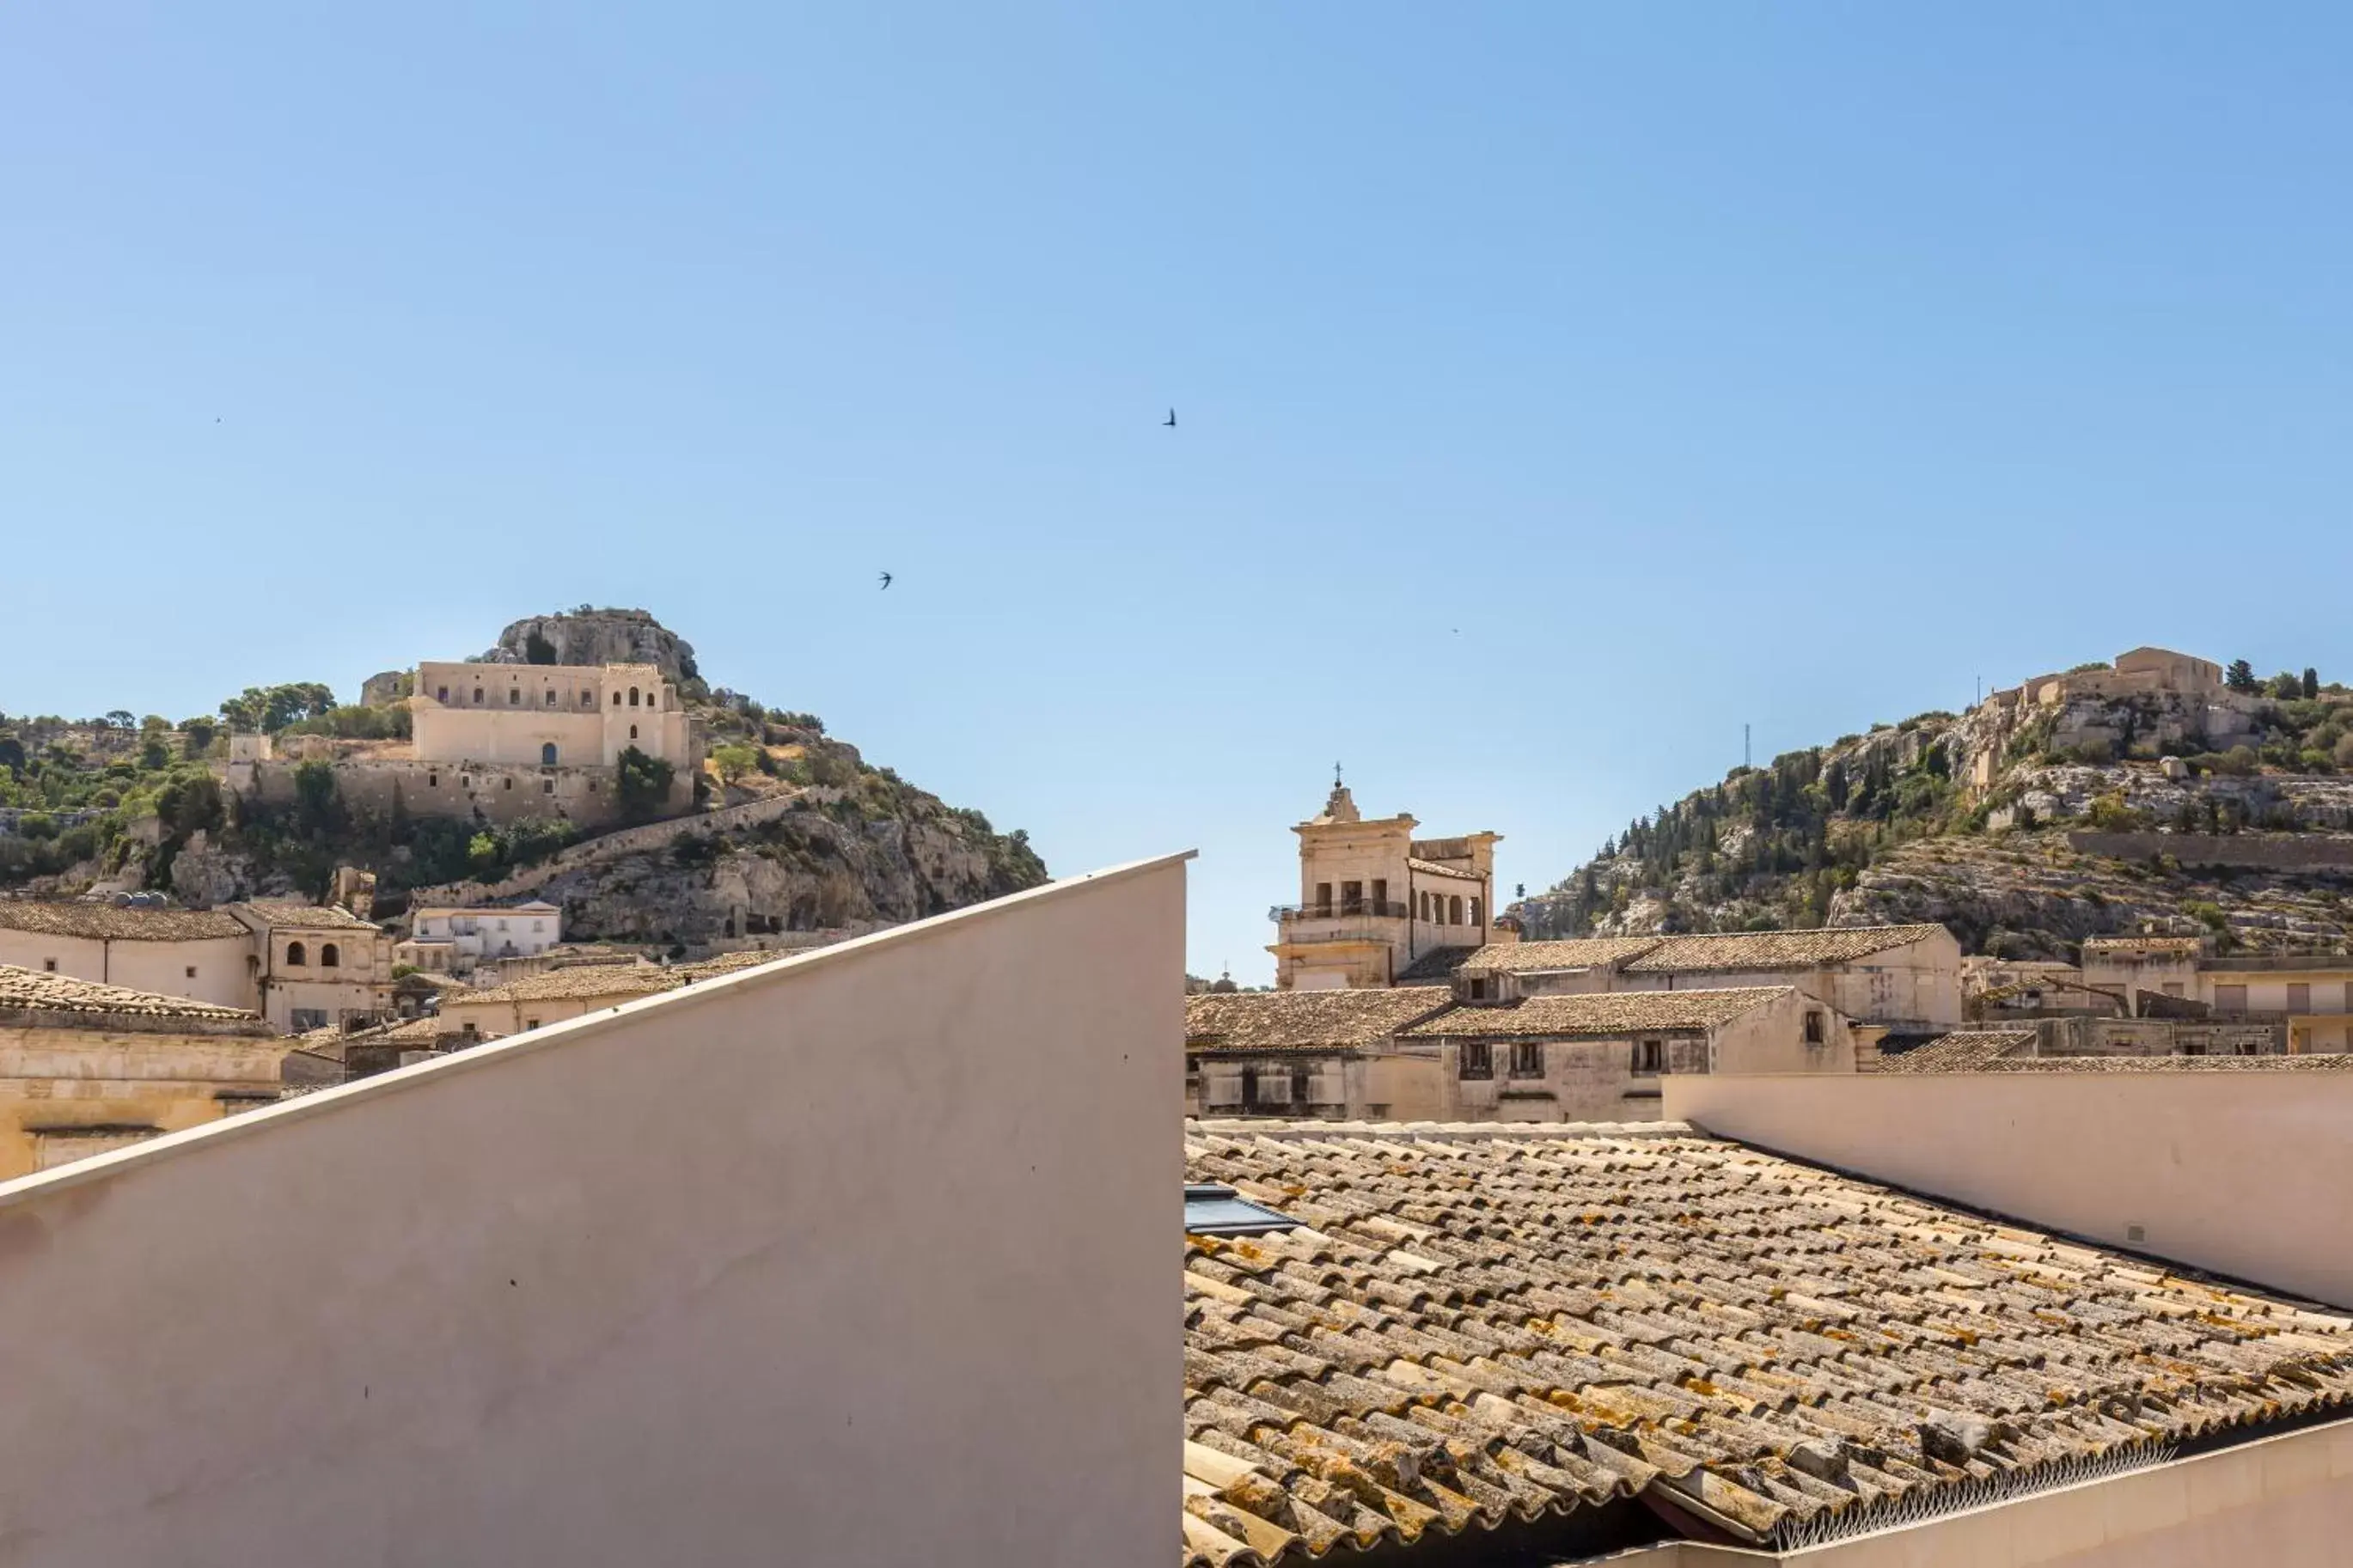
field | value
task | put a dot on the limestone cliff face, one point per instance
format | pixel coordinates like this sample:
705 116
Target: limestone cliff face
595 636
825 867
2096 816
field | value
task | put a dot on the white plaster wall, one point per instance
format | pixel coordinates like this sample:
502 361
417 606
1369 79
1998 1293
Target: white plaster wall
222 976
2248 1174
865 1257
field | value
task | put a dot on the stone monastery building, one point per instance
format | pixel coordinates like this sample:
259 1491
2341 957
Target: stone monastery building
547 715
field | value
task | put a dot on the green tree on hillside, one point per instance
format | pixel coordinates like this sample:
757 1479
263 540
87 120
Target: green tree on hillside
2311 684
2242 677
643 785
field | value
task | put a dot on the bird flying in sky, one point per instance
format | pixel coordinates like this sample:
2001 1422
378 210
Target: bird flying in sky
1171 420
886 582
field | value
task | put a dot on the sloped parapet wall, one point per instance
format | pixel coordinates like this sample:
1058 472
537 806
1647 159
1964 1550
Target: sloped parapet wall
865 1256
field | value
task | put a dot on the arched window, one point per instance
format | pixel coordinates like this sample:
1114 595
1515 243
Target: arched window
328 957
616 700
1454 912
1474 911
296 958
633 696
441 694
477 697
633 732
547 755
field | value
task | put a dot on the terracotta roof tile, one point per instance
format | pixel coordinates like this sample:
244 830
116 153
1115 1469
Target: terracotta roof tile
1777 949
1437 964
1576 952
1433 869
2187 946
287 912
1600 1014
1477 1325
1306 1020
33 990
1963 1050
585 980
96 922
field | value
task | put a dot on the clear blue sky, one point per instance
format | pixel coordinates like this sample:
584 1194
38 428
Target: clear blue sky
1702 364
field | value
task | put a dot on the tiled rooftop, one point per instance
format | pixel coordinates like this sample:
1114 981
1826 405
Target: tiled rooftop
1963 1050
579 981
1437 964
1577 952
105 922
1479 1325
1306 1020
2189 945
33 990
1601 1014
1432 869
286 912
1777 949
2335 1061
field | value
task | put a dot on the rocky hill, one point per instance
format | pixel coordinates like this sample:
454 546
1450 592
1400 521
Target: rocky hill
794 830
2081 805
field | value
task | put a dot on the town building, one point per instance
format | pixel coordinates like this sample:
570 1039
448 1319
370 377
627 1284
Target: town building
301 966
88 1068
318 966
1602 1057
547 715
1331 1053
454 941
1904 980
575 991
559 995
2150 694
501 743
1372 899
1424 1053
2308 997
201 955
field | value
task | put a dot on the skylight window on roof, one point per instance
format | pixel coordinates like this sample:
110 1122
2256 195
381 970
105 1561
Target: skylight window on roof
1213 1209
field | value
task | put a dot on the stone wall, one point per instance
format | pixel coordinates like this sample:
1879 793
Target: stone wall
622 841
499 794
2252 851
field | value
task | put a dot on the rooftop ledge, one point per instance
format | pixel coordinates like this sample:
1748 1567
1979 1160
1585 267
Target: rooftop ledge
327 1101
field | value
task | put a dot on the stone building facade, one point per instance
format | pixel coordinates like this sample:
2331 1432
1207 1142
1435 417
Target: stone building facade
1373 899
87 1067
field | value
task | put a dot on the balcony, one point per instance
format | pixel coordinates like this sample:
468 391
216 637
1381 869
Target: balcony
1340 909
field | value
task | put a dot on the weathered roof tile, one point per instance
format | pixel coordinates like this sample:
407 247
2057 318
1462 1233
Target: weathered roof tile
1762 1338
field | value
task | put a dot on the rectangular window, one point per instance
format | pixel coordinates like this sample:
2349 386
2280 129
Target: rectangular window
191 971
1813 1026
50 964
1352 898
2299 998
1380 896
1527 1058
1649 1057
307 1018
1477 1061
2230 999
1324 898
